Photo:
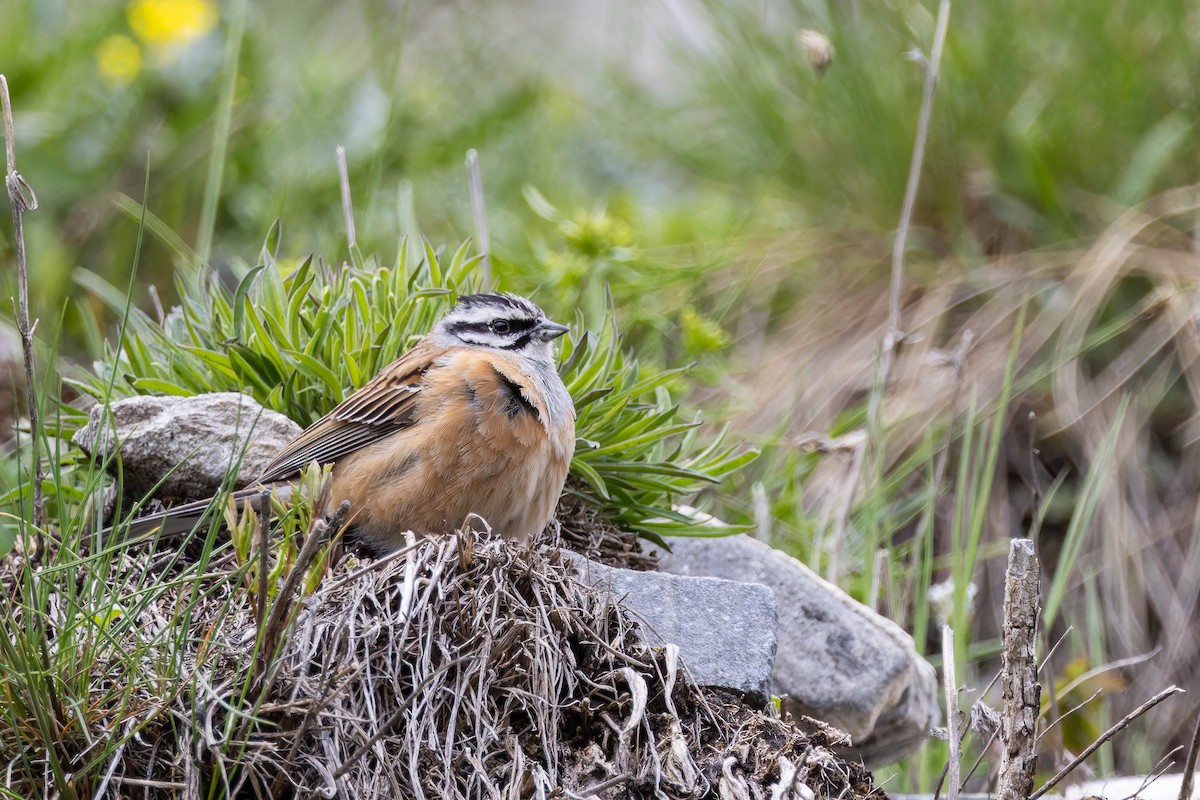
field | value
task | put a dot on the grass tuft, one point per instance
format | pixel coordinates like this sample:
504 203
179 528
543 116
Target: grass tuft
299 336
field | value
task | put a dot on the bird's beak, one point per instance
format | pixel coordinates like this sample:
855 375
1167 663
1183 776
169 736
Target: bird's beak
548 331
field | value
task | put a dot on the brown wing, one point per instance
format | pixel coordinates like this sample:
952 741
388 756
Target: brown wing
381 407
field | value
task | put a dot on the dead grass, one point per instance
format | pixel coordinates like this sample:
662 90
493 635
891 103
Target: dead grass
463 667
1110 351
583 529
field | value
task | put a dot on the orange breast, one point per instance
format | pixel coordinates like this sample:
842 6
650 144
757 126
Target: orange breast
482 444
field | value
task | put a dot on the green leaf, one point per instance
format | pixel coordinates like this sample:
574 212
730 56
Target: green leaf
591 476
539 204
240 297
312 367
1154 153
155 385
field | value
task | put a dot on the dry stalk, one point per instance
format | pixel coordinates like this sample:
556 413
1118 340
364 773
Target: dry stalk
979 712
893 335
191 774
1160 769
957 361
1104 737
347 206
397 716
1054 649
264 535
834 522
277 619
479 215
1019 687
426 675
950 684
1189 767
22 199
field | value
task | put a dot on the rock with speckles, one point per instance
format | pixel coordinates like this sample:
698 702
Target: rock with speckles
725 630
839 661
188 444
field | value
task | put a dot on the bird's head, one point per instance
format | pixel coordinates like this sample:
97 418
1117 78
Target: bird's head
499 322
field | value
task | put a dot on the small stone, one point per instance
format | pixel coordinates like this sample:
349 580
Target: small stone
839 661
189 444
725 630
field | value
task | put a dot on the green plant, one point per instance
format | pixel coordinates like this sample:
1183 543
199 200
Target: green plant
599 257
297 335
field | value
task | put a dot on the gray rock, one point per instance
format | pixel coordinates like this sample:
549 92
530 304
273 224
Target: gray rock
187 443
725 630
838 661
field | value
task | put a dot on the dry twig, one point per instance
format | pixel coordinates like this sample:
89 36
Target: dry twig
280 613
22 199
893 335
1189 767
1160 769
979 711
1104 737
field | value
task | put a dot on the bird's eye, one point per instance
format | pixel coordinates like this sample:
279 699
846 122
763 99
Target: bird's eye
500 326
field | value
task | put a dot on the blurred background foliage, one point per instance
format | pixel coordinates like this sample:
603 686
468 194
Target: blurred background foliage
731 173
660 130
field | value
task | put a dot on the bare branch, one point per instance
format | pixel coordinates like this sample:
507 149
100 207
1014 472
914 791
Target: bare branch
1104 737
1054 648
1068 713
1160 769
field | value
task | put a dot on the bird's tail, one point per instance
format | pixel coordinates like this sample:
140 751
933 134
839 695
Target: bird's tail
183 518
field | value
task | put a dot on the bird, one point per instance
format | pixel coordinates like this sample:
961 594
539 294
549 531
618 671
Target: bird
473 420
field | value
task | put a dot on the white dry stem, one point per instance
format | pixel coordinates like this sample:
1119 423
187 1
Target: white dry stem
762 512
732 786
782 790
479 215
950 684
347 205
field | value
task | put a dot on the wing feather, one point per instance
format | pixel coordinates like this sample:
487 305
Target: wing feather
381 407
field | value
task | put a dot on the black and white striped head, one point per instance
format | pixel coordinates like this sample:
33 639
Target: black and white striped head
499 322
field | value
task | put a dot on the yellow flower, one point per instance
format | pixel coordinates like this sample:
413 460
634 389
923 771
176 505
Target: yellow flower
171 22
119 59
